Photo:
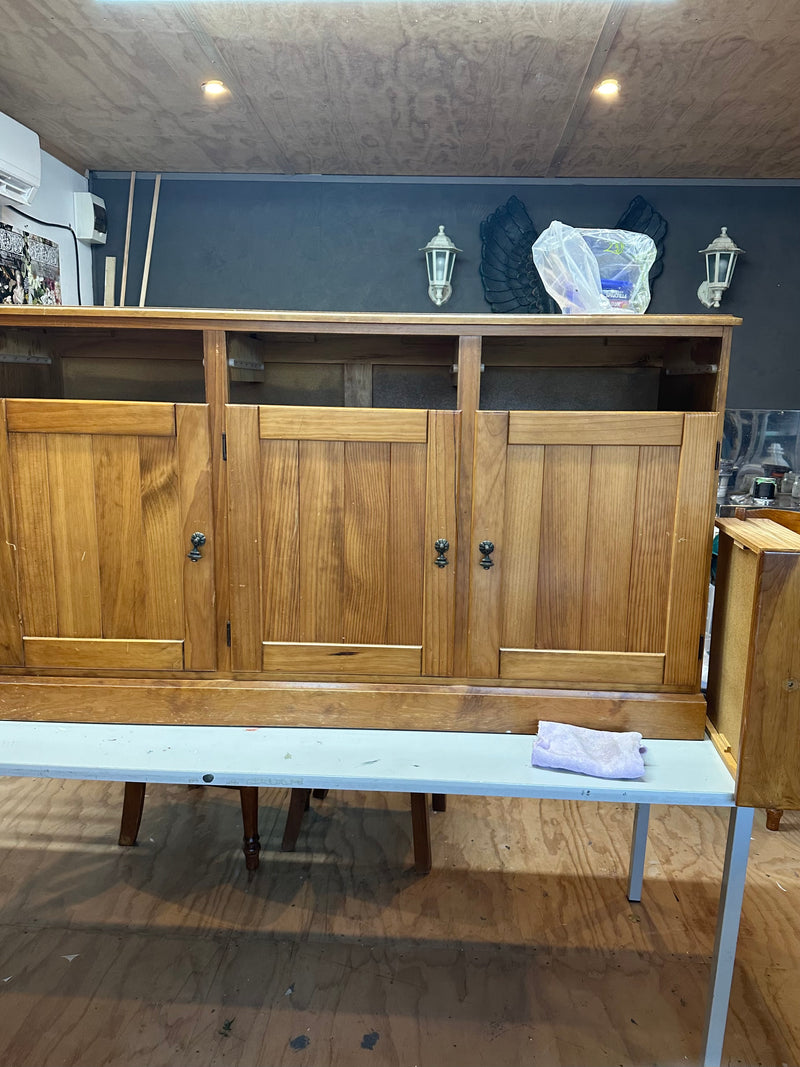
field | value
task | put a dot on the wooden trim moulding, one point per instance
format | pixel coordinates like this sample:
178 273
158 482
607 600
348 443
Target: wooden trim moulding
292 656
115 653
366 322
124 417
412 707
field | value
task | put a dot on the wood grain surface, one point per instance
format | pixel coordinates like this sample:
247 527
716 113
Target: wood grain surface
769 770
91 416
10 633
654 517
441 522
364 322
199 585
341 658
691 550
488 515
603 428
34 540
368 96
119 654
733 646
470 355
554 668
217 395
754 666
518 948
362 703
162 532
343 424
244 532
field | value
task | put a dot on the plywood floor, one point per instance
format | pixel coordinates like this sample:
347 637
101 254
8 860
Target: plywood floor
518 949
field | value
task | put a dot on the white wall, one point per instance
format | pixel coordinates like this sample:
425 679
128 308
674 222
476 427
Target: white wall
53 203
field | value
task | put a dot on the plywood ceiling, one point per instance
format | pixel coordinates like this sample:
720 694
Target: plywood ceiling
710 89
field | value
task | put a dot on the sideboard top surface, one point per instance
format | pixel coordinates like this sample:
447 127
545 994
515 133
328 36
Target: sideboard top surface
367 322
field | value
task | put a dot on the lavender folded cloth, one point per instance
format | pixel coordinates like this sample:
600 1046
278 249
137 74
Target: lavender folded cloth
601 753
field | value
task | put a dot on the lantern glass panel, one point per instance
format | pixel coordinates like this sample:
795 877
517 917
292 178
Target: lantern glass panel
440 265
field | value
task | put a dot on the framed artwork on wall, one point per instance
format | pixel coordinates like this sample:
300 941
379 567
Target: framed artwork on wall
30 271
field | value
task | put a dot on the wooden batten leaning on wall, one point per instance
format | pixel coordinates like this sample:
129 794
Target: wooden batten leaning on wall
427 522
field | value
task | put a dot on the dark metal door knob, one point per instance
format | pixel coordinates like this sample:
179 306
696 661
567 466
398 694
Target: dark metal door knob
198 540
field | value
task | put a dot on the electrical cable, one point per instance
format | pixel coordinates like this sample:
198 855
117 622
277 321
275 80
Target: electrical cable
58 226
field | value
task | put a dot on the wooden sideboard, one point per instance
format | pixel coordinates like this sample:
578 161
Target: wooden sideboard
427 522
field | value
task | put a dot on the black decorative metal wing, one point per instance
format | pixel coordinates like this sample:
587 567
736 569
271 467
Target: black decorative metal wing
511 282
641 217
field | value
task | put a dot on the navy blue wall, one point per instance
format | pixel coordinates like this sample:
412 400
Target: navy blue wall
333 245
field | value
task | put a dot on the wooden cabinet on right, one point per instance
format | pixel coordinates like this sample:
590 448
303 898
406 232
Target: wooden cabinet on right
754 669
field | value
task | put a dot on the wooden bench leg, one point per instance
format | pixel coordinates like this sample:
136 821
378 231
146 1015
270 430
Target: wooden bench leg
298 805
421 831
251 845
439 801
774 816
132 807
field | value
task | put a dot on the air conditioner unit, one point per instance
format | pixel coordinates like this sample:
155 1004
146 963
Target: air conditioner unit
20 161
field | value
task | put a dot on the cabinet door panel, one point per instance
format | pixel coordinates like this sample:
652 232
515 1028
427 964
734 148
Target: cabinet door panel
332 553
104 521
600 548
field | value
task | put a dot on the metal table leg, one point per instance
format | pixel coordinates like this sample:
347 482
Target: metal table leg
641 819
740 827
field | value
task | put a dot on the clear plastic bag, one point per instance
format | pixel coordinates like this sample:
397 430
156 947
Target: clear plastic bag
595 272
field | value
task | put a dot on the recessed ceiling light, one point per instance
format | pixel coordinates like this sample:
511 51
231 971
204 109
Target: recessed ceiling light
214 87
607 87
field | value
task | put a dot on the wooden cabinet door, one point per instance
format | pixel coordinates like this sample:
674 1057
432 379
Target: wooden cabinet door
106 496
601 523
334 513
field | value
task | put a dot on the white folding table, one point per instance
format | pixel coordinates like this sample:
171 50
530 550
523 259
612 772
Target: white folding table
676 772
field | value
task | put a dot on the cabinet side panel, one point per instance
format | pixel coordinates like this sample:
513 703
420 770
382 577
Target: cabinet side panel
406 544
524 471
279 533
609 539
769 767
565 509
34 536
366 541
119 536
730 658
652 548
10 634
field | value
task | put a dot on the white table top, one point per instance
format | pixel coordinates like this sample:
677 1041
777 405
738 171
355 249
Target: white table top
676 772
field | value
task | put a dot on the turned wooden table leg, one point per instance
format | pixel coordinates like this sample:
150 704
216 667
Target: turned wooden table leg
132 807
421 831
774 816
251 844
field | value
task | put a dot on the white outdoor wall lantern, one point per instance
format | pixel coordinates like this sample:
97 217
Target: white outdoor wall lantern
721 256
440 257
